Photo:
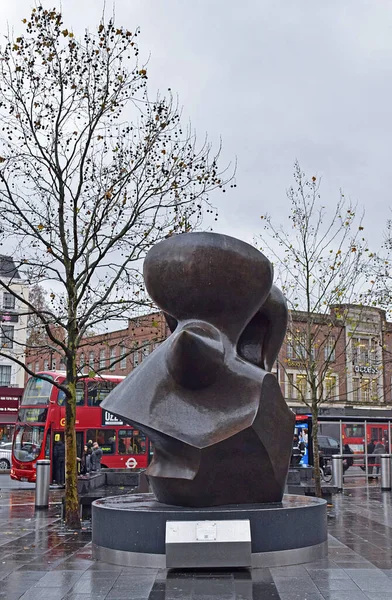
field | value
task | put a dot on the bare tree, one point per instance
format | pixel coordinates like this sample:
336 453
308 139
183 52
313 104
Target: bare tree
321 264
92 173
36 336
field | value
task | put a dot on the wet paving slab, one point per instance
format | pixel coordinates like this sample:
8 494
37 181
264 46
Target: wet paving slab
40 559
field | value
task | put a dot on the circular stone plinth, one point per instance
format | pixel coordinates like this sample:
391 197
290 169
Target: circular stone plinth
130 530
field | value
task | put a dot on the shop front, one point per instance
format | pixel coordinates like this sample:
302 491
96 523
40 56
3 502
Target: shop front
9 406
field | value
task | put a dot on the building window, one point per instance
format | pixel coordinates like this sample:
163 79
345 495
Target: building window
365 390
112 358
297 347
46 365
30 367
82 362
102 359
54 363
123 363
5 375
6 336
8 301
91 361
302 386
364 351
290 347
290 385
62 364
145 350
36 367
135 358
330 387
329 349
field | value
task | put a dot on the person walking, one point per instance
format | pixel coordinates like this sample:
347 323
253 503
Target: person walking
59 460
371 459
96 457
85 463
348 461
379 449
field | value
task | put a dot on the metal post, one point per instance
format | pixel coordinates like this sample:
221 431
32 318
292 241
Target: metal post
337 471
385 461
42 484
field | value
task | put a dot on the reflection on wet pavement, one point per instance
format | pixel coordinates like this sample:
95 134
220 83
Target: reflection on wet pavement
40 559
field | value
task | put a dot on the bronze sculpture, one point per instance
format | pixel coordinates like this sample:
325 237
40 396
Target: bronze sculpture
221 430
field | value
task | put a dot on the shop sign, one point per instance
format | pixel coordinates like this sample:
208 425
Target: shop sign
365 370
9 318
293 362
10 405
109 419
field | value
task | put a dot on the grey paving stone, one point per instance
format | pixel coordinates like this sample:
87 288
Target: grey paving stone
289 571
345 595
44 594
322 574
72 596
374 584
333 585
58 579
99 586
300 596
365 573
295 584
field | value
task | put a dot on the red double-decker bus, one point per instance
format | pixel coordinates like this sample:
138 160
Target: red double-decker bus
41 417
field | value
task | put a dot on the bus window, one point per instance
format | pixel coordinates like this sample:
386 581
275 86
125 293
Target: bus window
131 441
79 395
376 433
97 391
27 442
354 430
37 391
106 438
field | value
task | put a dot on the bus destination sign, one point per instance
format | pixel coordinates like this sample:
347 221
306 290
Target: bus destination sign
109 419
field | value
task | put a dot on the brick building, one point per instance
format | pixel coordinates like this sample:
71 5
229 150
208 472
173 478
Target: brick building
354 355
115 353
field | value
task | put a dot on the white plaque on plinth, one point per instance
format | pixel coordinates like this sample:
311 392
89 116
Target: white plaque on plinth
200 544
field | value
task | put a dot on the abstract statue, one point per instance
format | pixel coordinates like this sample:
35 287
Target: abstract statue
221 430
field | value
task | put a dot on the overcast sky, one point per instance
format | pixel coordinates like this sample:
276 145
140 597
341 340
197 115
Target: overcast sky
277 81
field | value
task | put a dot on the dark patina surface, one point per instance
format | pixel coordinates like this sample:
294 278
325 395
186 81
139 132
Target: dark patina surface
221 430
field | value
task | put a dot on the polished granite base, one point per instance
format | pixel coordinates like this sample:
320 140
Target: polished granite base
130 530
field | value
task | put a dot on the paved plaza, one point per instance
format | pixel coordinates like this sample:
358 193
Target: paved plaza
41 560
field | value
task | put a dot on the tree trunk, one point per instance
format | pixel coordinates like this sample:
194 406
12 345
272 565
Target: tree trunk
316 455
71 476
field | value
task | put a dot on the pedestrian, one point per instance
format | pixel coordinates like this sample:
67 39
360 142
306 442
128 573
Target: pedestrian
379 449
85 463
371 459
59 460
348 461
96 457
296 454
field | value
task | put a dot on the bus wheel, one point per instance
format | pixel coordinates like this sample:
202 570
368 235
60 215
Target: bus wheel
4 464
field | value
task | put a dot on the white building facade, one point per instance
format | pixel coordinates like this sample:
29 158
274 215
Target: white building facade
13 324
